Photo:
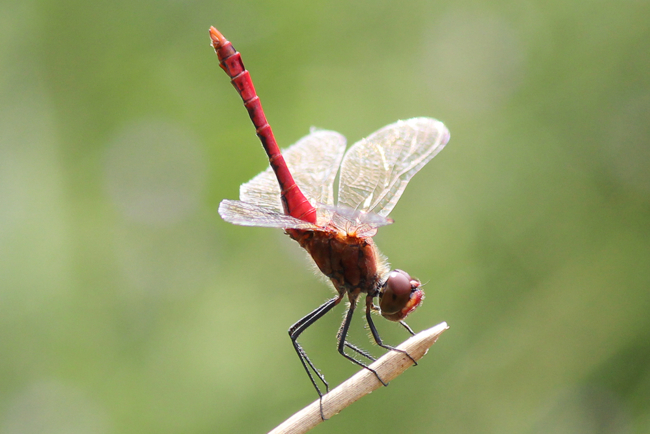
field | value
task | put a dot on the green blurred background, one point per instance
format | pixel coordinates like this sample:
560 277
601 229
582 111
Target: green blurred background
128 306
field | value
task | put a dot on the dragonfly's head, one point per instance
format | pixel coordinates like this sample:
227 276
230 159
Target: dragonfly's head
399 295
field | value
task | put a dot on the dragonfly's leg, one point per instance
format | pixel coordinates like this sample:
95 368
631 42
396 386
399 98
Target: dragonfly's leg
375 334
361 351
296 330
343 331
406 326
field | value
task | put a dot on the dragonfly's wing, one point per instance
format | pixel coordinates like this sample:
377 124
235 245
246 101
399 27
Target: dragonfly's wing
248 214
350 221
313 161
376 170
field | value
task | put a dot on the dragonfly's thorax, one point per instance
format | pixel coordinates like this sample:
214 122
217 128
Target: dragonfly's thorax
353 264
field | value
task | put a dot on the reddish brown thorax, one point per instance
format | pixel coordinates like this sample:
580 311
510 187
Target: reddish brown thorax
354 265
350 262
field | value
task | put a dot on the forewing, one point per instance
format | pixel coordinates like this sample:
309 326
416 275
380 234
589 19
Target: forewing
313 161
349 221
248 214
376 170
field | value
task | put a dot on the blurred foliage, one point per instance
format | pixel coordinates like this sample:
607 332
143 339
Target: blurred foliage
128 306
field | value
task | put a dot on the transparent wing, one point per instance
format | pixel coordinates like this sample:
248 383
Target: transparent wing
349 221
248 214
376 170
313 161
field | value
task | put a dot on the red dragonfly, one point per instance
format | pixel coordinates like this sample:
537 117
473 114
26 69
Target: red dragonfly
296 193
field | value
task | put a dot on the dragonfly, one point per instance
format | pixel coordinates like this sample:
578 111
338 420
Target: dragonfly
296 194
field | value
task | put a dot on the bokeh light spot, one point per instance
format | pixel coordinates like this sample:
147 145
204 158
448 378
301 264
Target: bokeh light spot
53 407
473 61
155 172
171 262
628 150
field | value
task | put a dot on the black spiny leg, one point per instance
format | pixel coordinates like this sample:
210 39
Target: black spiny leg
375 334
406 326
342 343
361 351
295 331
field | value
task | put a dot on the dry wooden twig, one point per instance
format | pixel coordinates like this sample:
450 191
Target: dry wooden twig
363 382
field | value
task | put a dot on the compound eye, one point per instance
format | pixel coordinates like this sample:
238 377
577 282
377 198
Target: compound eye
400 295
398 283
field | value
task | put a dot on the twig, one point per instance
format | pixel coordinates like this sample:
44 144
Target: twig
362 383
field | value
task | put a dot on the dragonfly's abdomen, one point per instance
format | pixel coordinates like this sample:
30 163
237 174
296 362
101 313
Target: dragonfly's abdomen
350 262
